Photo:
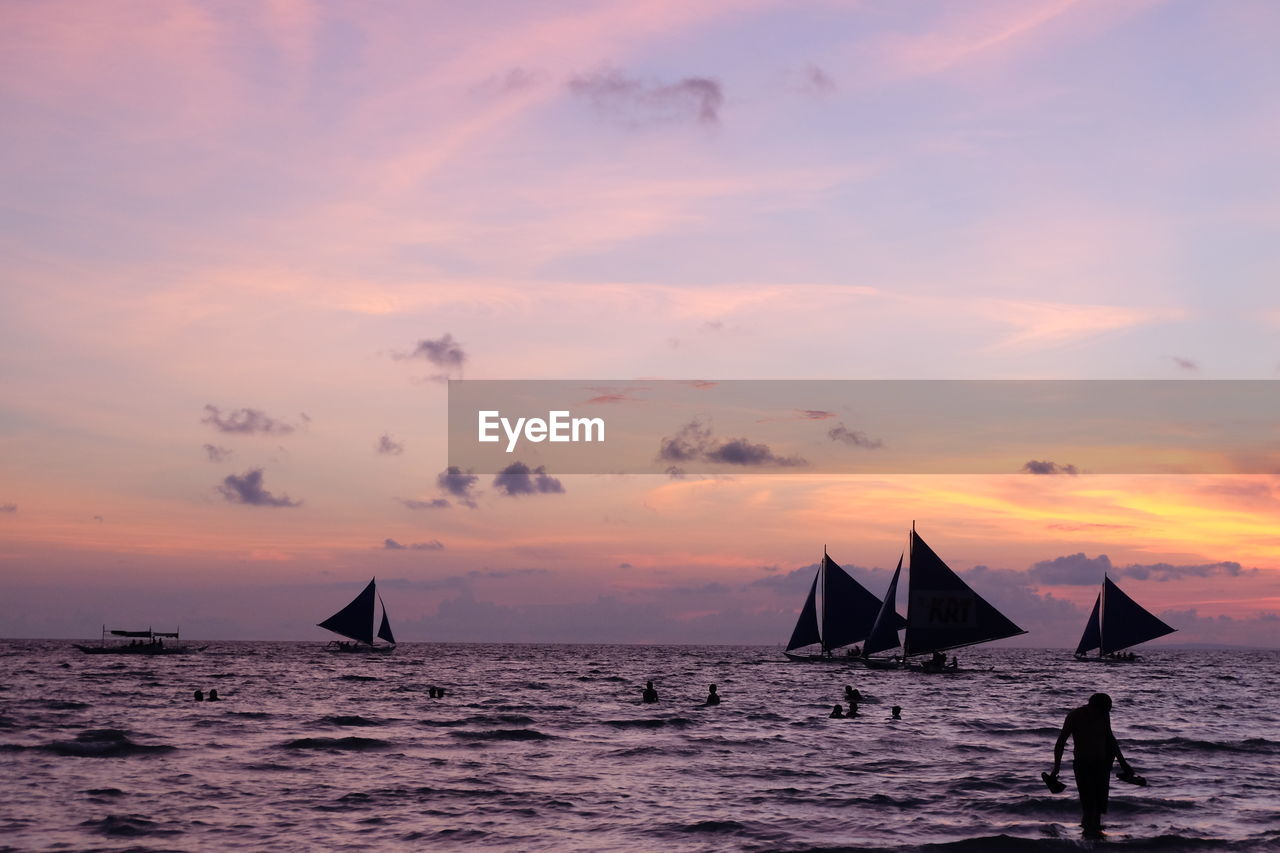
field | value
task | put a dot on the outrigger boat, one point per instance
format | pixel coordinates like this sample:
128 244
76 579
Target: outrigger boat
846 616
943 613
1117 623
146 642
355 621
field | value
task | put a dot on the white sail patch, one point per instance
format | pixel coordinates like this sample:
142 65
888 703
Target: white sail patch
558 426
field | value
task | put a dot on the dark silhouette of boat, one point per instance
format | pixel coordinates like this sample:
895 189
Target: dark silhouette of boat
846 616
146 642
356 620
943 612
1117 623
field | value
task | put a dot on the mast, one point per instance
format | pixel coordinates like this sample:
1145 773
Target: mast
822 584
911 576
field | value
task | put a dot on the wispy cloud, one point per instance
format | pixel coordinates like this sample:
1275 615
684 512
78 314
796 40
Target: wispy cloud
442 352
695 442
393 545
431 503
216 453
638 102
8 507
247 489
454 481
1185 363
247 422
388 446
1045 466
853 437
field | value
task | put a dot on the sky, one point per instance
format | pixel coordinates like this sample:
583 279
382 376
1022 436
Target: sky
245 246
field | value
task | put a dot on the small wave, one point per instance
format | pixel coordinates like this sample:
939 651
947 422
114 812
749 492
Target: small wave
105 792
649 723
1253 744
252 715
62 705
504 734
127 826
357 678
716 827
350 720
337 743
103 743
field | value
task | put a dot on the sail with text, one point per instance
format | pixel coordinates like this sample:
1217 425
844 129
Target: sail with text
845 615
1118 622
355 621
943 612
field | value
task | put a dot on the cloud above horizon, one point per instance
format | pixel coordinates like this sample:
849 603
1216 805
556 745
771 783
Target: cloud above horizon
247 488
246 422
217 453
432 545
1046 467
694 442
518 479
637 102
443 351
388 446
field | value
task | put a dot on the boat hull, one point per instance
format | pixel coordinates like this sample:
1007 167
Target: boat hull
138 650
844 659
359 650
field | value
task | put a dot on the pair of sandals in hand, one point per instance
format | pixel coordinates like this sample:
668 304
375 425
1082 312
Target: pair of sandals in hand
1126 774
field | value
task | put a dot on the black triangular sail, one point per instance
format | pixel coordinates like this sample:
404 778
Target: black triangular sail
943 612
1092 636
848 608
356 619
806 630
884 631
1124 622
384 630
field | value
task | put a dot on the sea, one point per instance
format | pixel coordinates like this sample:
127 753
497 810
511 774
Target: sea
548 747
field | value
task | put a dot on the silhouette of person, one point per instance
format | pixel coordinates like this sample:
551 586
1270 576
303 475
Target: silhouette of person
199 695
713 698
213 695
852 694
431 692
1094 748
897 712
837 713
853 709
649 695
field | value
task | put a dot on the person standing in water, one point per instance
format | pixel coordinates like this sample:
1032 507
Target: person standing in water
713 698
650 695
1094 748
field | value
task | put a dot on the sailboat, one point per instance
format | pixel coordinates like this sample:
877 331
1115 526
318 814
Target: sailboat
943 612
846 615
1116 623
884 631
355 621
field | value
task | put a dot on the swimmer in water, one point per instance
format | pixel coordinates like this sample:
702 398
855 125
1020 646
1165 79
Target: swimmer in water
649 695
837 713
713 698
199 695
897 712
213 695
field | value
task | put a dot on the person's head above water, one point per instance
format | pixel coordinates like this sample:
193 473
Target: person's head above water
713 688
649 684
1101 703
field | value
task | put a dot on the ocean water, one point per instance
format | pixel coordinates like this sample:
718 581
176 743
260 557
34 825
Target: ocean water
548 748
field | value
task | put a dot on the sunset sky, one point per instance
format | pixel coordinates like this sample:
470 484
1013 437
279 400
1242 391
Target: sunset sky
244 246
